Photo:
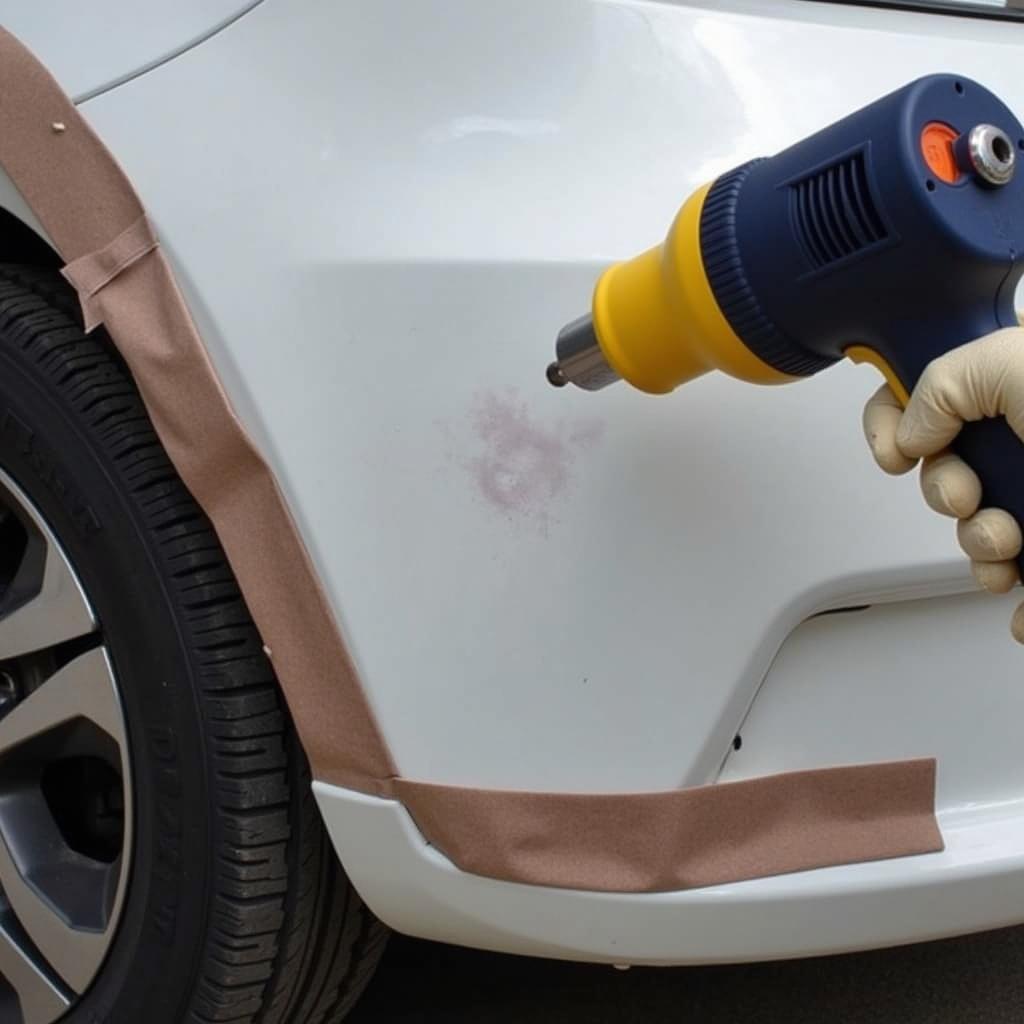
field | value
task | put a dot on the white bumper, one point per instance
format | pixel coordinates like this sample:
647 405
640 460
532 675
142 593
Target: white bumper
976 883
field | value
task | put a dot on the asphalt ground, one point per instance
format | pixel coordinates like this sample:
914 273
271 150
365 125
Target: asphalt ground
973 980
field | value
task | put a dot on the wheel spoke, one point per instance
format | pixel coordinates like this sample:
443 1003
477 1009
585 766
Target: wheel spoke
84 688
42 1002
58 896
56 613
75 953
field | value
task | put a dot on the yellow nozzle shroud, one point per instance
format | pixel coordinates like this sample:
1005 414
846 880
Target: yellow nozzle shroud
657 320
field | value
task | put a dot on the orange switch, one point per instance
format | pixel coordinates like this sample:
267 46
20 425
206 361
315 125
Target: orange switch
937 146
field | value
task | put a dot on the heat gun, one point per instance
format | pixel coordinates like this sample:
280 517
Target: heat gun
888 237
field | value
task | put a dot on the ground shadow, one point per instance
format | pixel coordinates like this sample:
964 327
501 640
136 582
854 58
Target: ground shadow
976 980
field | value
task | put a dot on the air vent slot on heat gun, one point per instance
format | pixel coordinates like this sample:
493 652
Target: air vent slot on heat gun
834 213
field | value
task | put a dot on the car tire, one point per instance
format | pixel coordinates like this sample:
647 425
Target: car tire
235 908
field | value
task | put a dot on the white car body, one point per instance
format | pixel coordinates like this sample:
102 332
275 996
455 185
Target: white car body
381 214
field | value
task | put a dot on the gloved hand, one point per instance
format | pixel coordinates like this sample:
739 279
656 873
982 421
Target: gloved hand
980 379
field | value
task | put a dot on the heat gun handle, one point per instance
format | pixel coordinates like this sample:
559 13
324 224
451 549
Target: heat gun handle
996 454
988 446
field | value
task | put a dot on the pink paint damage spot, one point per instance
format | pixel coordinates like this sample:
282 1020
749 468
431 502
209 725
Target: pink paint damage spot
523 466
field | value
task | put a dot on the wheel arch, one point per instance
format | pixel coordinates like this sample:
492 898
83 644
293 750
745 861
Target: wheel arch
56 172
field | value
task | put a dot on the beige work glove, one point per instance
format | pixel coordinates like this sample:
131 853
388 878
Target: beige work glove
980 379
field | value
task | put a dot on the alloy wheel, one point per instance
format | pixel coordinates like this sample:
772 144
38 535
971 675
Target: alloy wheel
65 784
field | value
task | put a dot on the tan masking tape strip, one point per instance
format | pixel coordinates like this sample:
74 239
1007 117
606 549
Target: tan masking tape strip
89 273
662 842
625 842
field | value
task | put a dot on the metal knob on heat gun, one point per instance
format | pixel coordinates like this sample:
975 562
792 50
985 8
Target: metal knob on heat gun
889 237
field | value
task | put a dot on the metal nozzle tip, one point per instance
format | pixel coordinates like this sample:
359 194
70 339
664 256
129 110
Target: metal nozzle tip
579 359
992 154
555 375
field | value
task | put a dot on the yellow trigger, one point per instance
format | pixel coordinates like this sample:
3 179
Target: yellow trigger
863 354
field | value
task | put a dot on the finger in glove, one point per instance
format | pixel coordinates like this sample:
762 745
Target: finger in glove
950 486
881 420
990 535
